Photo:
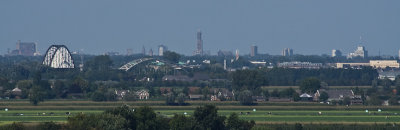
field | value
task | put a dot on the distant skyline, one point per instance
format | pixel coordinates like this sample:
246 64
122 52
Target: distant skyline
308 27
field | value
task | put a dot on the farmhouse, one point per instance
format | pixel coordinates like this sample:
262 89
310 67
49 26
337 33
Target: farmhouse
306 97
276 99
16 92
194 90
390 74
221 94
121 93
195 96
338 95
143 94
165 91
258 98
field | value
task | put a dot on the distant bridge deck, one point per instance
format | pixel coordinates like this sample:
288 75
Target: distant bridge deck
133 63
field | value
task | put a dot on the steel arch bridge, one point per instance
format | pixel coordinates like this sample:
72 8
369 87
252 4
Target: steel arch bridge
58 56
133 63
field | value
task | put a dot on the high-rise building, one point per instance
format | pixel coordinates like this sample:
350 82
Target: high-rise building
237 54
254 50
399 54
199 50
360 52
161 50
224 64
143 51
336 53
151 52
287 52
25 49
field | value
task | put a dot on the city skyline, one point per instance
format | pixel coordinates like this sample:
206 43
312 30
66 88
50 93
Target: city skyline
162 48
308 27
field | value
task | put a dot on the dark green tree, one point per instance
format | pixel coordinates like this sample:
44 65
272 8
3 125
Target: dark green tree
298 126
374 84
36 95
346 101
98 96
103 94
170 100
106 121
310 85
287 92
172 56
296 97
248 79
275 93
181 122
323 96
398 88
386 84
393 101
207 118
82 122
49 126
185 90
234 123
15 126
130 96
79 85
397 84
245 98
60 89
148 120
357 91
266 94
181 99
126 113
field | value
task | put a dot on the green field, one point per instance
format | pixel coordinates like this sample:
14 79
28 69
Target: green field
22 111
260 115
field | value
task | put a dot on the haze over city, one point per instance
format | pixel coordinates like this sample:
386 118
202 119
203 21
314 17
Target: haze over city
308 27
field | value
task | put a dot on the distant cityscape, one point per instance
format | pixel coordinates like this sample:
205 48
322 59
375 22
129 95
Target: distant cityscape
30 49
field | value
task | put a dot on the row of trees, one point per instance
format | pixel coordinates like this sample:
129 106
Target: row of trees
144 118
252 79
104 68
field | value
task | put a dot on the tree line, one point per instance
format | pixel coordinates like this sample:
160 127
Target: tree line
145 118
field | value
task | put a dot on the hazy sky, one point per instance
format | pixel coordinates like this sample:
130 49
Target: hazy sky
307 26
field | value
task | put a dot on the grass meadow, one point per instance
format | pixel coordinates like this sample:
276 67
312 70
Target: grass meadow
265 113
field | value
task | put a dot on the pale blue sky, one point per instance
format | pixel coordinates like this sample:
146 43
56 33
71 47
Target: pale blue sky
307 26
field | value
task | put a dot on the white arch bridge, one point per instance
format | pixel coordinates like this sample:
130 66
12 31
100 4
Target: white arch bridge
133 63
58 56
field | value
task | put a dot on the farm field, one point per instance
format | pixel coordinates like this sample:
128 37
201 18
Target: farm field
22 111
260 116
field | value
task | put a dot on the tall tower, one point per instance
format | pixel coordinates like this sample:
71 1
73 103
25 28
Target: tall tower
199 50
237 54
287 52
254 50
284 52
224 64
336 53
399 54
161 50
151 52
143 50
